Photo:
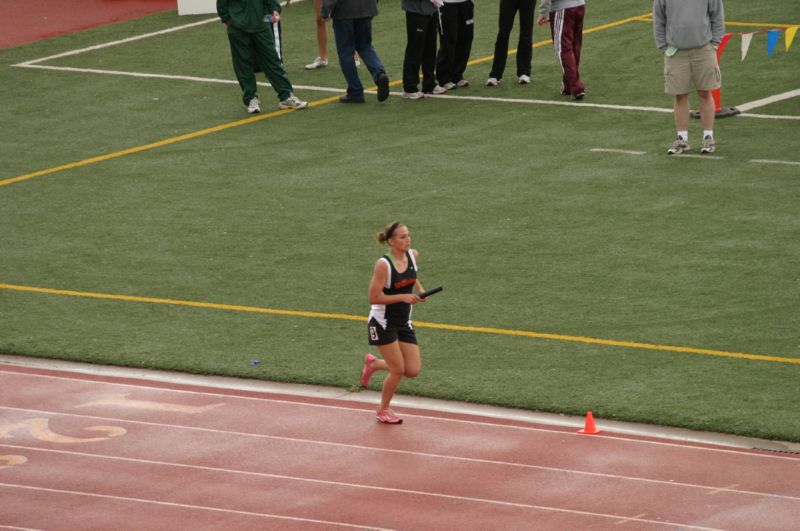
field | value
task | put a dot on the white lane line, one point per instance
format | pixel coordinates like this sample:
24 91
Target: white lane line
379 450
769 100
694 156
767 161
768 116
186 506
582 103
171 77
410 415
131 39
116 43
622 151
394 490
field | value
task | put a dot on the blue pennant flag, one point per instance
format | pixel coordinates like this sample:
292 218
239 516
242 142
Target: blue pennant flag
772 40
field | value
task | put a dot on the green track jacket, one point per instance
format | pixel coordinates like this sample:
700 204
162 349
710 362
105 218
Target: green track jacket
246 15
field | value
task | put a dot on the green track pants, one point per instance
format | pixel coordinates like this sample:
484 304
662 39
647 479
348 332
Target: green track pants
262 43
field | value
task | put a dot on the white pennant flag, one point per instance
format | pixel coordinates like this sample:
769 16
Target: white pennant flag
746 38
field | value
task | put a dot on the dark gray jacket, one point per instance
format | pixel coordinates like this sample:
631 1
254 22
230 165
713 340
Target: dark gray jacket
349 9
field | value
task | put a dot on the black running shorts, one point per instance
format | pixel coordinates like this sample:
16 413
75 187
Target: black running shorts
383 336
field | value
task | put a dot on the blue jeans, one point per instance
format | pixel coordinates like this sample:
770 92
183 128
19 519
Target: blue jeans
355 35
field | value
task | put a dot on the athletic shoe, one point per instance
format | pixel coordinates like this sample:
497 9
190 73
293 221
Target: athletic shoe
347 98
679 146
450 86
387 416
437 90
254 107
492 82
319 62
708 145
414 95
358 62
293 102
462 83
366 372
524 80
383 86
578 96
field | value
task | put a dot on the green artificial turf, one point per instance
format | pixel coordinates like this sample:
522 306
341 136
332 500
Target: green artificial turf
528 227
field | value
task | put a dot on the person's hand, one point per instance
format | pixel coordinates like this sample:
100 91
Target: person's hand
543 20
437 3
229 22
276 17
411 298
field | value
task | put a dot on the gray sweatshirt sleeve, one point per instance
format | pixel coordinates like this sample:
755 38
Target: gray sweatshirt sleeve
716 13
660 24
544 8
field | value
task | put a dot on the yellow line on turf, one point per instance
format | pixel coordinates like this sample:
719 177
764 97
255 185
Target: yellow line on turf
539 44
237 123
419 324
758 25
160 143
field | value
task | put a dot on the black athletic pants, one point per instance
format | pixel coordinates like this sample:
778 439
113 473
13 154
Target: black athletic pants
508 11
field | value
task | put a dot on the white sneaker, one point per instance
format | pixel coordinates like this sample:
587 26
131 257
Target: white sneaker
438 90
413 95
254 107
524 80
462 83
358 62
319 62
492 82
449 86
293 102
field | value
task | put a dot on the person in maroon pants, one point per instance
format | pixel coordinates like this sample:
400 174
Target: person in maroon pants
566 27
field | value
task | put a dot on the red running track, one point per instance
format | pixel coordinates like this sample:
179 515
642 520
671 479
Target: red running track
96 452
25 21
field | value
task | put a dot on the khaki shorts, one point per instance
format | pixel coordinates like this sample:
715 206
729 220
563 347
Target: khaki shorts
695 65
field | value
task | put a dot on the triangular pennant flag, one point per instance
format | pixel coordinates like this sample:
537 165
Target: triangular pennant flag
747 38
772 40
722 44
790 33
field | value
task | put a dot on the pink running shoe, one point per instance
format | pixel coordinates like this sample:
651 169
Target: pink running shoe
366 373
387 416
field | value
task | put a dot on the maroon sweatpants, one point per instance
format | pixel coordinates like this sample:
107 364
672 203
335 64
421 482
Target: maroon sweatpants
566 28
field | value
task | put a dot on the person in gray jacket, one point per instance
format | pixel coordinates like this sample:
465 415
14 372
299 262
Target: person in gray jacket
688 33
352 27
421 31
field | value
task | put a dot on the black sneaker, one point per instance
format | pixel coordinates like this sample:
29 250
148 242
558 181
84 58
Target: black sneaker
347 98
383 86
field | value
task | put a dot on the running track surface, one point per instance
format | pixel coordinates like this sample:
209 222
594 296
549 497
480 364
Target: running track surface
25 21
80 451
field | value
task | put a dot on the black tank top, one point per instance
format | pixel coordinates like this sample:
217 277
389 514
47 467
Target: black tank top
398 313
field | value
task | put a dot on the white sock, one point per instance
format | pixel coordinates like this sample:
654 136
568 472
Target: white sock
708 132
683 135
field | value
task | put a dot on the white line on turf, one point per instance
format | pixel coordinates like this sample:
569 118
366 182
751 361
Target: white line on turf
693 156
622 151
171 77
115 43
769 116
769 100
766 161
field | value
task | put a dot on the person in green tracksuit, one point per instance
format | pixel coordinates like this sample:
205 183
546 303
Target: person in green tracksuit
250 34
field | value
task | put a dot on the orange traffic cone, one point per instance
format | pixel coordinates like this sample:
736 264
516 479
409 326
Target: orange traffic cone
589 428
